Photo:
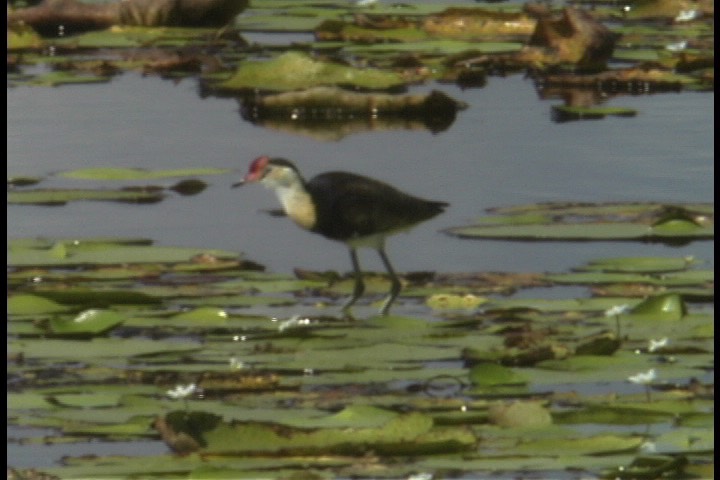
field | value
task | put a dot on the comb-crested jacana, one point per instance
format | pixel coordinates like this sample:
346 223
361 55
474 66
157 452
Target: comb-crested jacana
353 209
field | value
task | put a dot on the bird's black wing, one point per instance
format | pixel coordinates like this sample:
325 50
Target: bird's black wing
349 205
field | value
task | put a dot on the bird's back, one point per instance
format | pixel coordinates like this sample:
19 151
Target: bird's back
351 206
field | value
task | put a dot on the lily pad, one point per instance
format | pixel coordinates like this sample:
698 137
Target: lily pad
565 113
88 323
116 173
490 375
661 307
24 304
598 222
294 70
97 348
50 197
638 264
23 253
403 434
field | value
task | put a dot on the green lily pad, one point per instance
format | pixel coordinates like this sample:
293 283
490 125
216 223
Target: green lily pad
49 197
23 304
595 222
83 297
55 79
23 253
87 400
399 435
352 416
87 323
135 37
597 445
97 348
564 113
638 264
22 37
580 232
112 173
528 414
294 71
660 307
491 375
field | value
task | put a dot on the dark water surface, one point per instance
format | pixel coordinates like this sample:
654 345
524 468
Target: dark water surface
505 149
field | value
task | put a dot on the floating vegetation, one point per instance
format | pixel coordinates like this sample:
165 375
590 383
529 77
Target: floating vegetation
562 113
21 195
473 376
294 70
595 222
106 336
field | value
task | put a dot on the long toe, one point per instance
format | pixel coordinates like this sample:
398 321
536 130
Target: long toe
390 299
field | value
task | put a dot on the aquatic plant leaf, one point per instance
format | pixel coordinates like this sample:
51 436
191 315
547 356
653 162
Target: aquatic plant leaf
603 344
294 70
520 414
435 47
204 316
87 400
686 440
565 113
595 445
638 264
97 348
135 37
25 304
21 37
630 413
352 416
83 297
28 401
269 284
660 307
50 197
402 434
87 323
546 466
579 232
80 252
55 79
596 222
650 466
697 278
117 173
492 374
549 305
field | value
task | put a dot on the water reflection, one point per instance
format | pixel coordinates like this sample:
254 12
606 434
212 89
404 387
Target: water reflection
330 114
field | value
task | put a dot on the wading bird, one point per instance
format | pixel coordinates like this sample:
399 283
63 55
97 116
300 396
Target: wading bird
349 208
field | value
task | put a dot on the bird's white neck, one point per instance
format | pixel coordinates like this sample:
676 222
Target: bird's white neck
295 199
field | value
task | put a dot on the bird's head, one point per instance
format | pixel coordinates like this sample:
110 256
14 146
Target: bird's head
272 172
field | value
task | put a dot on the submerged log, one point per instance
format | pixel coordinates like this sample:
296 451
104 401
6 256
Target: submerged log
333 108
64 17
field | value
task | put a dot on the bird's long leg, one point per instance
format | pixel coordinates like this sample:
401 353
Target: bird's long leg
359 287
394 280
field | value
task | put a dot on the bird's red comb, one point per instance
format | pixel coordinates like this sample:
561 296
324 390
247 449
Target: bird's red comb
256 171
